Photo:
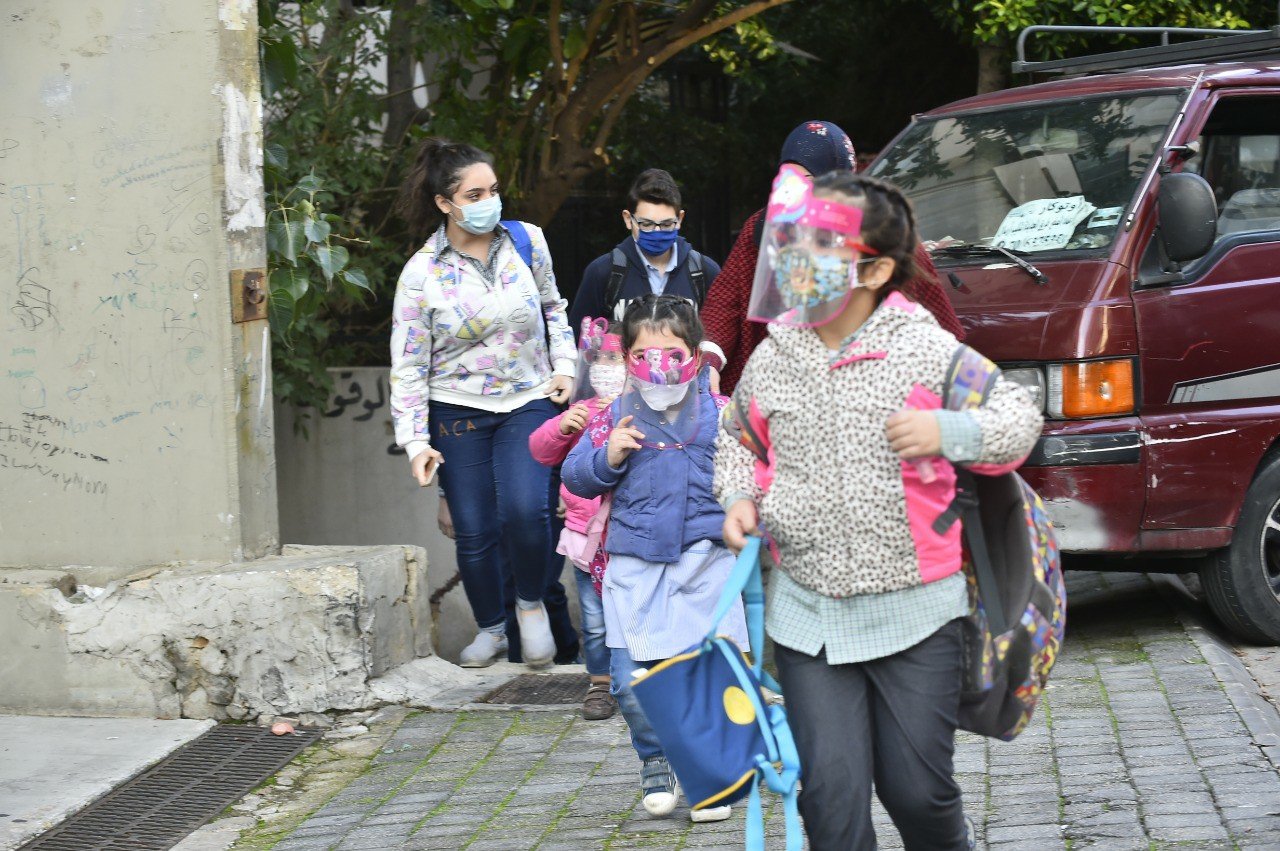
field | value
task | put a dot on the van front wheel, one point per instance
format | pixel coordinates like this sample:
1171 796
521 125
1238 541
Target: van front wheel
1242 582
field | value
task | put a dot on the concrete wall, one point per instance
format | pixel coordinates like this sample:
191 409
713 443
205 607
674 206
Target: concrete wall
345 483
135 424
310 630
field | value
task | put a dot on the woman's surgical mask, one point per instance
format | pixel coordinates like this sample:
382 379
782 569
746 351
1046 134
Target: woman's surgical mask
480 217
607 379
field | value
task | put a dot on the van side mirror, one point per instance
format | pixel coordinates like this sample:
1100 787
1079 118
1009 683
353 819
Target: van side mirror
1188 215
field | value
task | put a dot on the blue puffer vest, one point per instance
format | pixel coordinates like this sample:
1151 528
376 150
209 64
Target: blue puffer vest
662 499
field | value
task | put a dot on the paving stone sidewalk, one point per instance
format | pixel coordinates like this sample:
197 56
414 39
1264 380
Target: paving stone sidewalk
1137 746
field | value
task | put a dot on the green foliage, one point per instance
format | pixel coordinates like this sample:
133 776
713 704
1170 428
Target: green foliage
326 257
991 20
543 99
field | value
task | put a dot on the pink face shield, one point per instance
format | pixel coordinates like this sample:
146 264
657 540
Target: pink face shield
807 269
663 366
662 395
602 368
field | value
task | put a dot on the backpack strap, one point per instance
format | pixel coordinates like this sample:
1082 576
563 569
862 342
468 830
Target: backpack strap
746 581
524 247
779 766
613 289
980 556
520 238
697 278
970 377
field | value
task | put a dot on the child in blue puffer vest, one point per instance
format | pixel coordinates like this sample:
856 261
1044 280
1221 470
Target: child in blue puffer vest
667 559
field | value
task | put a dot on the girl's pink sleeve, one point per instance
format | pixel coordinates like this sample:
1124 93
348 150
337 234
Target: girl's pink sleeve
548 446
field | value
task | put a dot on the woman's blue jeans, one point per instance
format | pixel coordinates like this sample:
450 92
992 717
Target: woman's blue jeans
498 499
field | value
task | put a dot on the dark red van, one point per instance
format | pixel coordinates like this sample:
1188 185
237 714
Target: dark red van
1113 240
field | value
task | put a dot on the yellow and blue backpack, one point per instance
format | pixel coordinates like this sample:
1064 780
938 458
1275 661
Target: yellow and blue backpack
718 732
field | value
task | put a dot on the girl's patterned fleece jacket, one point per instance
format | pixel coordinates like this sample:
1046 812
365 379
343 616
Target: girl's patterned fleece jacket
848 516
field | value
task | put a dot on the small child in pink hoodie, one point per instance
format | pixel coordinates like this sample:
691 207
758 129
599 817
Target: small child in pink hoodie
601 372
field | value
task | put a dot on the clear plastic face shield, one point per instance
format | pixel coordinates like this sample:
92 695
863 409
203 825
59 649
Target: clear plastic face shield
809 254
661 394
602 367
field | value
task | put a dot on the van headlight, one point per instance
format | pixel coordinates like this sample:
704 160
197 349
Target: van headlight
1081 389
1030 377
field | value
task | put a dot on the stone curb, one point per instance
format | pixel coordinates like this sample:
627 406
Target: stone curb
1260 717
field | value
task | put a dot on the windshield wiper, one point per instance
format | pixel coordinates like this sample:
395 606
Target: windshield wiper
974 249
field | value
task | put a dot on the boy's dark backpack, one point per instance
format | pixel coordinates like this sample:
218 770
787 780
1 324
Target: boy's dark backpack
618 274
1017 598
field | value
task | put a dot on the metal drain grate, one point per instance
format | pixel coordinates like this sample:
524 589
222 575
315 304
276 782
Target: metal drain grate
165 803
541 690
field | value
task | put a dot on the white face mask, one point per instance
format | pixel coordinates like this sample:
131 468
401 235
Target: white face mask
660 397
607 379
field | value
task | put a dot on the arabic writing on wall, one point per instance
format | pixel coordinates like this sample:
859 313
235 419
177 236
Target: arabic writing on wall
350 394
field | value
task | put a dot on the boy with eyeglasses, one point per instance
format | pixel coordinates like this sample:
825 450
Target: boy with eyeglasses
654 258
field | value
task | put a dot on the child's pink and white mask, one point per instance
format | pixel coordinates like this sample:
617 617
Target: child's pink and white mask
602 368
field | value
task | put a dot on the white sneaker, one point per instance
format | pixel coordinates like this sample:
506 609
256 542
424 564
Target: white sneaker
661 803
536 642
710 814
658 782
483 651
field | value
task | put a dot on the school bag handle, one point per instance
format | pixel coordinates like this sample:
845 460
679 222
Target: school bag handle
746 581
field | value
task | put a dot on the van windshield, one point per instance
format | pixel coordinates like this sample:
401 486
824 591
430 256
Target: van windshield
1031 178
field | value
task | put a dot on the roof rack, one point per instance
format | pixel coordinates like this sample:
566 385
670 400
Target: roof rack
1228 45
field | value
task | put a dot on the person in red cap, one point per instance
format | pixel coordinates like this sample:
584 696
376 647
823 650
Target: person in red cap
817 147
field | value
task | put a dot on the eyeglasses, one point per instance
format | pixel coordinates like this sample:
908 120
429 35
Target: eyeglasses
648 226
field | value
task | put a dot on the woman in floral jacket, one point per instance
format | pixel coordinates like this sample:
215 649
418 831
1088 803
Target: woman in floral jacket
472 378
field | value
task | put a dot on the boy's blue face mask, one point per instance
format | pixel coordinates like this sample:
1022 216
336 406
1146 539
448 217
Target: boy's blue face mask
657 242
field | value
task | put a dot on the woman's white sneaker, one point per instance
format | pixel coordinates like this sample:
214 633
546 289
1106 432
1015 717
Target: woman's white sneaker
710 814
537 645
485 649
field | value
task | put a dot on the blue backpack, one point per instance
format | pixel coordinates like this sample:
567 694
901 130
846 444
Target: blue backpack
524 247
520 237
708 710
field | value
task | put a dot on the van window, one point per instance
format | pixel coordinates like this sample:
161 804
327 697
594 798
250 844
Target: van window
1034 177
1240 158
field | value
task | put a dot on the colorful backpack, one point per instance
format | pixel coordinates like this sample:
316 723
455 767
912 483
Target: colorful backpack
1017 599
707 708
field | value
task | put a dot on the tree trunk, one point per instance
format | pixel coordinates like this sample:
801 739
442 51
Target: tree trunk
402 109
993 66
547 191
